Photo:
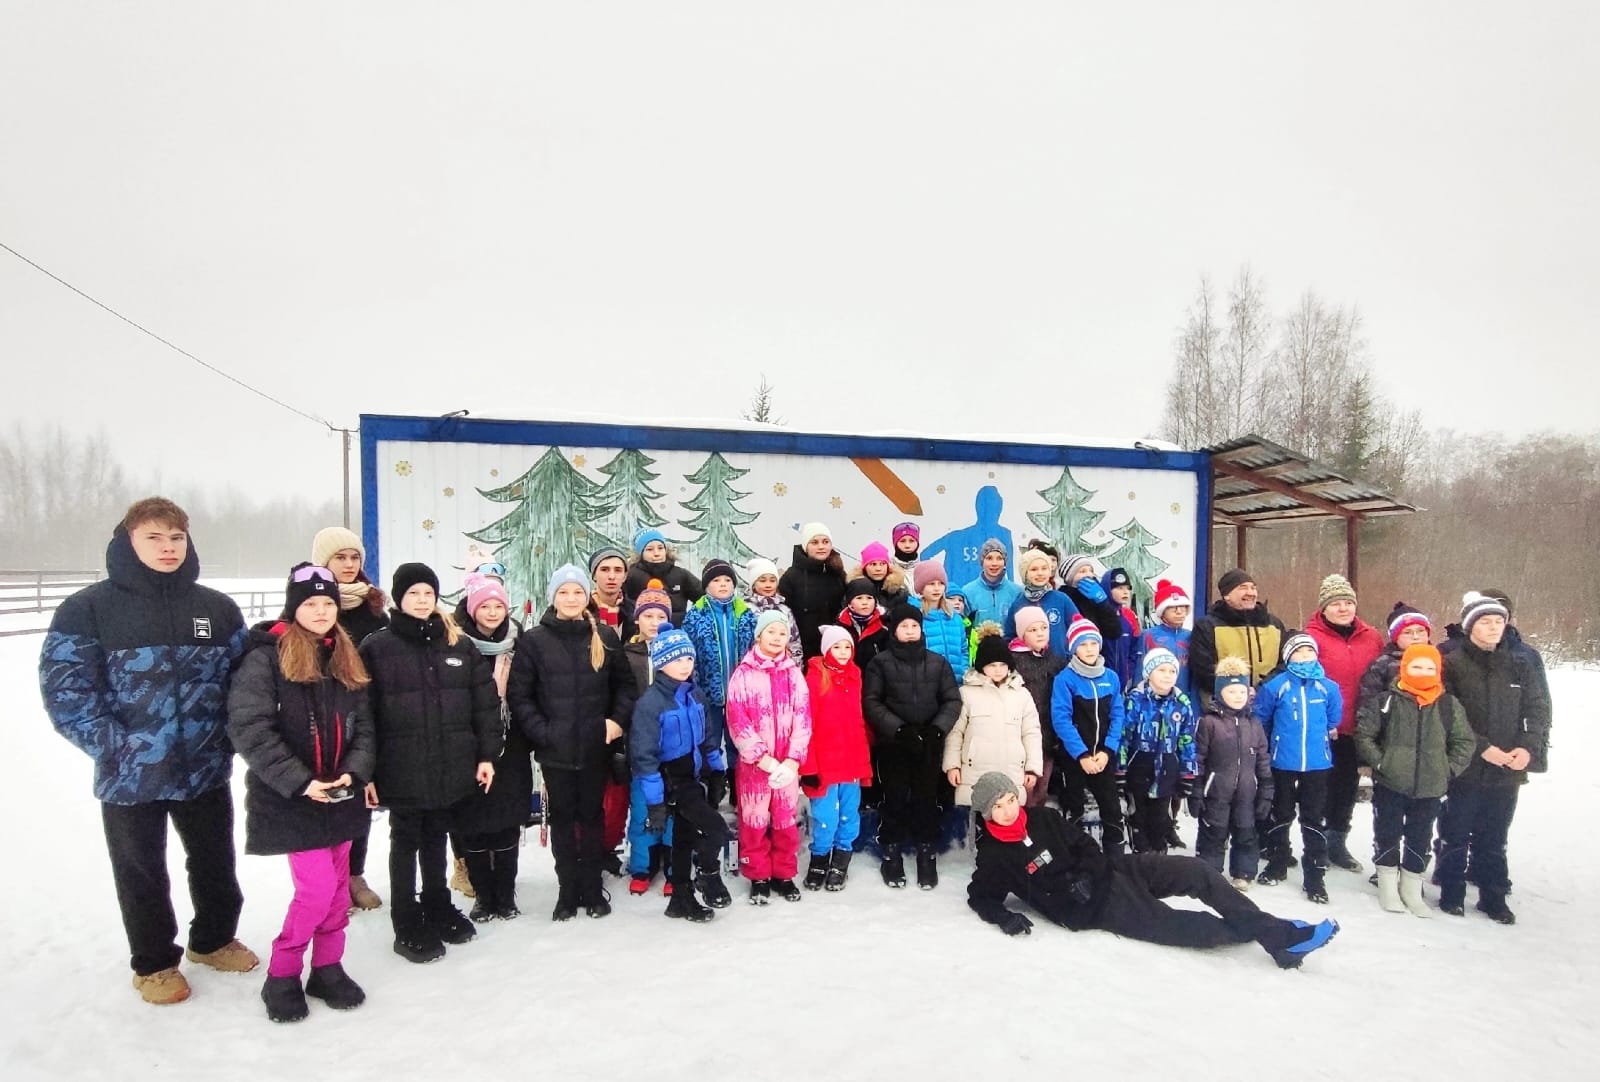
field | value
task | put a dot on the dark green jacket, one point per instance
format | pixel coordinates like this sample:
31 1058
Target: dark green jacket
1412 749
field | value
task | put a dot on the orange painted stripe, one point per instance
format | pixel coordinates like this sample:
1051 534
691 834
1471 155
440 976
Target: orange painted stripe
888 482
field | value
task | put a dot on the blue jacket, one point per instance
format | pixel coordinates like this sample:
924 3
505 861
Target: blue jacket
722 636
1086 712
1126 654
1157 740
946 635
134 671
669 723
1161 636
1300 717
1058 608
985 602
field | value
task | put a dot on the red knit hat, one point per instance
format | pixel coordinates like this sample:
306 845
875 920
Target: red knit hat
1168 595
1079 630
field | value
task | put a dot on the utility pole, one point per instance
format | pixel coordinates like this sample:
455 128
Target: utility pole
344 435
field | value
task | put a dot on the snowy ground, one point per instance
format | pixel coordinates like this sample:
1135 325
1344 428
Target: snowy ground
865 984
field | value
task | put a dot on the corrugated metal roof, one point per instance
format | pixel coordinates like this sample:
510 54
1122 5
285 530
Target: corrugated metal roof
1256 481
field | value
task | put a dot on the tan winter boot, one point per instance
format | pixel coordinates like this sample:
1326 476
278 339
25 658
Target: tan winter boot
231 957
1389 889
1411 894
363 896
163 988
460 882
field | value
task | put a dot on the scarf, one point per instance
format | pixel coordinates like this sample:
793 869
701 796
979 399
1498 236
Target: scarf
1307 670
1016 832
1035 594
1088 672
1425 689
860 621
352 595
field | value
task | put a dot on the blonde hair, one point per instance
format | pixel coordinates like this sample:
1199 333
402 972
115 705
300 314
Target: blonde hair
300 663
452 630
597 645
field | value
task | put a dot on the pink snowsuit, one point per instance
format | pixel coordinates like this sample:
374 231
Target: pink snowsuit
769 713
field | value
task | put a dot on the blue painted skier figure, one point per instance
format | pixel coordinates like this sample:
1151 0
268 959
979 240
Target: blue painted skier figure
963 548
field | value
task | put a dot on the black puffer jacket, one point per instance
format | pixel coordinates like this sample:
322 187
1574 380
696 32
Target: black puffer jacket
1379 677
1057 869
680 585
436 712
559 700
909 685
1039 672
1507 702
814 590
290 735
362 621
508 800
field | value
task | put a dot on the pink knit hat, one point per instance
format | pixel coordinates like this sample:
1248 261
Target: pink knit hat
874 550
481 588
905 529
832 634
1029 615
925 572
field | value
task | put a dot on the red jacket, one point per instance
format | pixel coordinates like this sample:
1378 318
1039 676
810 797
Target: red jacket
1345 660
838 751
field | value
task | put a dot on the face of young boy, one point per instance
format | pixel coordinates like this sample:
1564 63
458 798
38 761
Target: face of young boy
994 564
345 565
1487 631
774 639
318 615
765 585
160 548
863 604
720 588
419 601
609 576
1122 595
1175 615
876 570
1006 810
1088 651
1037 637
1234 696
655 552
1420 667
680 669
1162 679
649 622
997 671
959 604
908 630
1410 635
1303 654
841 651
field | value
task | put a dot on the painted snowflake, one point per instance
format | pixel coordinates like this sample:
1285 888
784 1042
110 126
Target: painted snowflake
780 489
427 524
403 468
579 460
836 503
449 492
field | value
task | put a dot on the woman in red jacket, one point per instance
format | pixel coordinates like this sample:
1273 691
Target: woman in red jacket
1346 646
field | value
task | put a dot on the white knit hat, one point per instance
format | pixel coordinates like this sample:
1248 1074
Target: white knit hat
335 539
758 567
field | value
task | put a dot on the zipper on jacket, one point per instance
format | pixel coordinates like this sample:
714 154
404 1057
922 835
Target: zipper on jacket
1305 729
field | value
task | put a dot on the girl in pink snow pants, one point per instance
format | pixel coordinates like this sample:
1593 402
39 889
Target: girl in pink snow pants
769 721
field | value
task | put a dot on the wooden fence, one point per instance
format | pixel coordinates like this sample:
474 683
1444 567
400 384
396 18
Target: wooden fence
40 593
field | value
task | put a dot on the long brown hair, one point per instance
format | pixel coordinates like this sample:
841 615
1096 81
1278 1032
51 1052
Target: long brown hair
301 662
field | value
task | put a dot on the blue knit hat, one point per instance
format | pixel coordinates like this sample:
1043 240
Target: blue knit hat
669 646
1158 657
564 574
770 617
647 535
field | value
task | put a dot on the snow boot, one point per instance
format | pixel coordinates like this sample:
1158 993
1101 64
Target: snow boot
1339 854
893 867
232 957
785 889
1389 889
683 907
285 999
927 867
639 884
1311 877
1310 937
817 871
163 988
713 890
1411 894
760 892
838 870
460 881
482 912
480 873
447 922
1453 899
363 896
504 863
1241 884
1492 904
598 904
416 941
332 985
1276 871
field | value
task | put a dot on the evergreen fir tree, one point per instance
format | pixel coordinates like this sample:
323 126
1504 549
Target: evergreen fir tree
1068 520
1137 557
718 517
547 527
624 500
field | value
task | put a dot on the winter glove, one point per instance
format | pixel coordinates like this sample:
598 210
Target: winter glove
1186 785
716 786
811 781
655 819
1089 587
1016 924
783 777
1263 808
1196 805
621 773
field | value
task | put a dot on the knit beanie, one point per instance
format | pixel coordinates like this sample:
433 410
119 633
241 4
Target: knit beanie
873 551
857 587
1075 562
759 566
602 554
906 529
1475 604
1114 578
653 596
669 646
1403 616
717 568
481 588
1232 580
991 545
989 789
408 575
647 535
564 574
1029 615
770 617
1297 640
308 580
1033 556
832 635
1169 595
991 648
1157 658
925 572
1334 588
335 539
1079 631
900 613
1231 670
812 530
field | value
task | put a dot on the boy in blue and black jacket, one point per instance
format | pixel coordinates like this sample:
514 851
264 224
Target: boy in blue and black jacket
722 628
1086 714
1157 760
1300 710
676 755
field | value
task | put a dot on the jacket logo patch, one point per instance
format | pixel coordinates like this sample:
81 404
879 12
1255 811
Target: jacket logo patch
454 662
1039 861
202 627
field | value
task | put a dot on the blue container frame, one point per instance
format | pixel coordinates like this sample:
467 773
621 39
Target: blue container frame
380 427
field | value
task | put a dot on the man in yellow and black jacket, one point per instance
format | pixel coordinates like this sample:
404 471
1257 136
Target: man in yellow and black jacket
1238 625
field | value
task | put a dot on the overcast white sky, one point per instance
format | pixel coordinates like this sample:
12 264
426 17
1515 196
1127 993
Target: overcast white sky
948 217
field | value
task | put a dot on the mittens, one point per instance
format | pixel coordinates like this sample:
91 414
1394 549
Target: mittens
783 776
655 819
1016 924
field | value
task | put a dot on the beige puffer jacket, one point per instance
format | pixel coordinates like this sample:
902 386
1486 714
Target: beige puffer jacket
998 730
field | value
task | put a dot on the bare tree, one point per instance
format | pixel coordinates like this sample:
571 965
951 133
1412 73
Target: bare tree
1193 413
760 408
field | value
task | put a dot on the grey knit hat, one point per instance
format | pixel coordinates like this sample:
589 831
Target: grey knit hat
990 788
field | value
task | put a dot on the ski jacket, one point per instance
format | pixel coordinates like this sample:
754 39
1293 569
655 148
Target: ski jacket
1232 764
1058 609
680 584
720 640
838 751
560 701
134 672
997 729
1345 658
1256 635
637 652
1414 750
869 640
1086 712
1056 868
1300 717
769 709
1507 703
290 735
947 634
1157 741
908 685
1159 636
776 602
435 712
814 590
670 726
991 602
1125 656
1379 677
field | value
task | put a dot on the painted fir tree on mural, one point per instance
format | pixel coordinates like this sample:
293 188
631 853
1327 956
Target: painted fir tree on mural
1136 555
548 526
719 515
1067 521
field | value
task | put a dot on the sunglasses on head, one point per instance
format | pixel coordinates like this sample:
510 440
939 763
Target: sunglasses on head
493 567
311 573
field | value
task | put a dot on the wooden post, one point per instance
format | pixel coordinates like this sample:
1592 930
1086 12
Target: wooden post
1239 545
1352 545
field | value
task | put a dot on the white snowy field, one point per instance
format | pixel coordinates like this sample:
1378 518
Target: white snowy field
870 983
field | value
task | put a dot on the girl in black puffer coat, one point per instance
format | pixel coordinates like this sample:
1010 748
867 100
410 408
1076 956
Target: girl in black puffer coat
654 560
814 586
438 724
298 716
571 691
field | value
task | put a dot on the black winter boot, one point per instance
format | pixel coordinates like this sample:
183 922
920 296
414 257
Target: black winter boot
416 941
1492 904
480 870
785 889
566 897
1339 854
447 922
1311 876
760 892
817 871
1453 899
927 866
683 907
838 869
285 999
333 986
893 867
713 890
505 884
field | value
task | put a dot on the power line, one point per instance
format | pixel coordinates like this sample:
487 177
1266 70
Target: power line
170 345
